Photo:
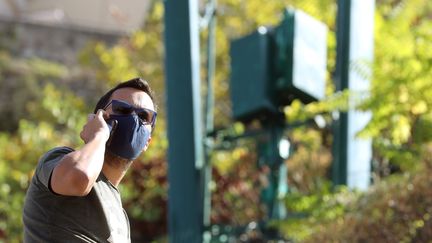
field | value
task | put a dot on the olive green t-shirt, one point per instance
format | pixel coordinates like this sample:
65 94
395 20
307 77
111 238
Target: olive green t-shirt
50 217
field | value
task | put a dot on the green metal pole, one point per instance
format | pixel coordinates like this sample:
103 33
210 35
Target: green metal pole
340 125
278 173
185 151
352 155
270 157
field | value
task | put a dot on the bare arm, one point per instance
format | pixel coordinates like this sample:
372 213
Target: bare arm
77 171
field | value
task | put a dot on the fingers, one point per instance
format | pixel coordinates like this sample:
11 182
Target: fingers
90 117
95 124
102 114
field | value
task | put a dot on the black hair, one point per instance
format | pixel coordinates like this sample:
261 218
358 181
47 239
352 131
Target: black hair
136 83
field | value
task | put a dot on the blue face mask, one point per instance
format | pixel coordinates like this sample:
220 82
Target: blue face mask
128 137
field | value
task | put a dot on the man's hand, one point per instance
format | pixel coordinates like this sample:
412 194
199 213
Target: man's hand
77 171
95 127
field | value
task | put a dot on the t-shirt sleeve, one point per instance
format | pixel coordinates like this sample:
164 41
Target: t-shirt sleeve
48 162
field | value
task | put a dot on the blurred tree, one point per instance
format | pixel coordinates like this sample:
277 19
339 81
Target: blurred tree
21 150
397 209
22 82
39 112
402 92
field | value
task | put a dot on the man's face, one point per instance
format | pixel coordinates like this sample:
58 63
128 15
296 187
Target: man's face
136 98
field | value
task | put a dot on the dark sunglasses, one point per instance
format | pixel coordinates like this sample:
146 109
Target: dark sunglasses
119 107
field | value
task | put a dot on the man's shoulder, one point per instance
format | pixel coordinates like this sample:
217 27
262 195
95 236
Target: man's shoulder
55 152
47 163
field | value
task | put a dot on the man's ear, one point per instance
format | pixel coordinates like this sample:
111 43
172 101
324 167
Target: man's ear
147 144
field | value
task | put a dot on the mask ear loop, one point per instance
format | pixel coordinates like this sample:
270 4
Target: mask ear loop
113 127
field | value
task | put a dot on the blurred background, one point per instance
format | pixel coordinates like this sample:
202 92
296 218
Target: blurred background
58 57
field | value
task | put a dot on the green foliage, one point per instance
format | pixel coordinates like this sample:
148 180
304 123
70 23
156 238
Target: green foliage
309 212
400 94
401 91
309 164
140 54
41 116
400 126
21 84
396 210
235 200
18 158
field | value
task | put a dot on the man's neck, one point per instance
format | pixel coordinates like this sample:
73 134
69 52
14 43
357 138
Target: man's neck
115 168
113 175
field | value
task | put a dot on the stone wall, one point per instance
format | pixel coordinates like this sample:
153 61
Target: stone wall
59 44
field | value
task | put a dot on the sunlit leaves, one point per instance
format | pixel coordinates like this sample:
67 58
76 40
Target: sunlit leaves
395 210
21 85
36 117
18 158
401 89
63 107
118 62
313 211
338 102
403 131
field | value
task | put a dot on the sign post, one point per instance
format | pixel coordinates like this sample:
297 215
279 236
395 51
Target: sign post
352 155
185 133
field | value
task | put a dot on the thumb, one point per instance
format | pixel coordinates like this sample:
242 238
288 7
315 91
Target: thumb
100 114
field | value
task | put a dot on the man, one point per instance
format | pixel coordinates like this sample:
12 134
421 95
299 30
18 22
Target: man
73 196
